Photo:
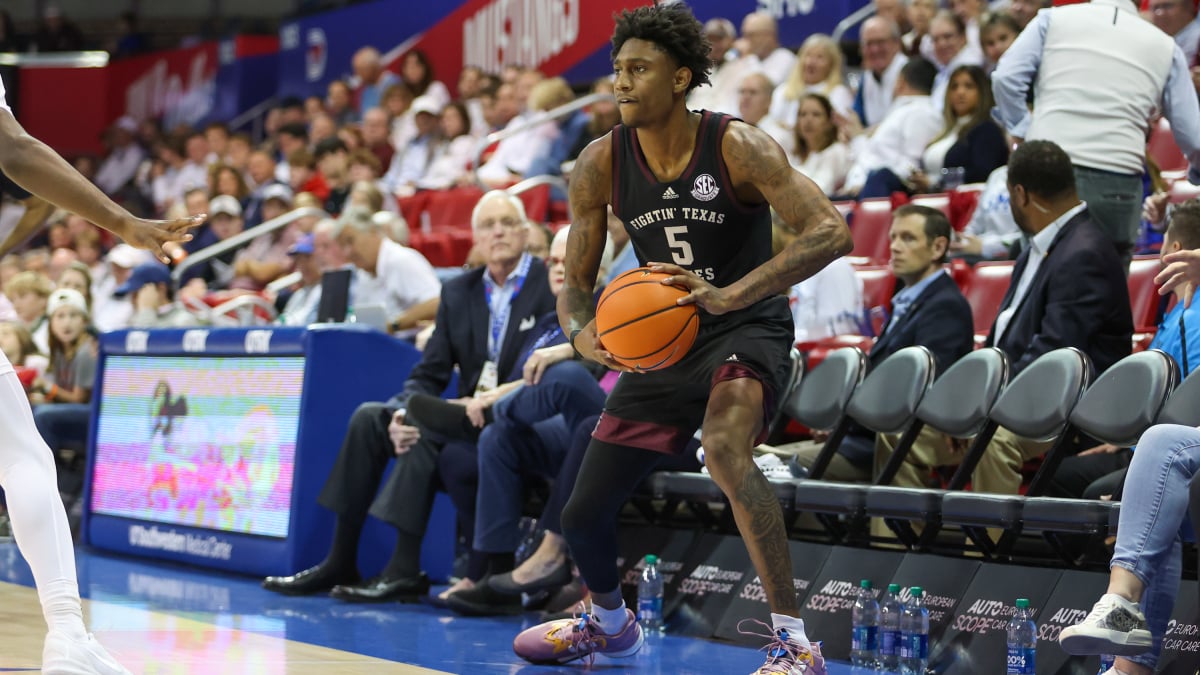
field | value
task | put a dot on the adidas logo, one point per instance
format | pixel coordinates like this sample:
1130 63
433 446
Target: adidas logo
732 357
670 194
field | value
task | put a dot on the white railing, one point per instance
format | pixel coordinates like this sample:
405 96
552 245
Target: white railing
241 238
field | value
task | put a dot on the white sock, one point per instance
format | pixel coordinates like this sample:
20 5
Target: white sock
60 605
611 620
794 626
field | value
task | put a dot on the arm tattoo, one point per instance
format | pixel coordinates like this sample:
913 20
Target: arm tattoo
585 244
822 233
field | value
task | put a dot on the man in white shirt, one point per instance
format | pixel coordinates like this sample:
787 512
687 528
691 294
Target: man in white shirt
764 53
123 161
1099 73
890 155
398 277
882 61
754 102
951 49
721 93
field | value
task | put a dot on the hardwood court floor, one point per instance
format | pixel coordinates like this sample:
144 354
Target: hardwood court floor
168 619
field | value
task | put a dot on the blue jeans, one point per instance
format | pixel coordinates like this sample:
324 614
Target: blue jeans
1154 521
63 425
530 436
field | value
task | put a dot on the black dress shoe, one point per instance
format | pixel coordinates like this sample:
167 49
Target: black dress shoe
558 577
317 579
384 589
483 601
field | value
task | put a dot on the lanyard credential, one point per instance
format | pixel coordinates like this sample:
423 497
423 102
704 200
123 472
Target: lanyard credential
500 314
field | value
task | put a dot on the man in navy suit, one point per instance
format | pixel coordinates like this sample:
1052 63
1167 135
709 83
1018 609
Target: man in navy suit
929 310
1068 290
481 324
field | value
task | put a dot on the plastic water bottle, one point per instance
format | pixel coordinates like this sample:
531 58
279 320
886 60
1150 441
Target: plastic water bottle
1022 641
889 629
1106 663
650 596
864 637
914 634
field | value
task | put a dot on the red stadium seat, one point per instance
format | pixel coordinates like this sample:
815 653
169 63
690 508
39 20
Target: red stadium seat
437 247
988 285
939 201
451 209
1162 149
869 225
1181 191
961 273
1143 294
878 286
537 203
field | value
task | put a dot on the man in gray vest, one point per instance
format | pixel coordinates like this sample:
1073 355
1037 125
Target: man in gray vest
1099 74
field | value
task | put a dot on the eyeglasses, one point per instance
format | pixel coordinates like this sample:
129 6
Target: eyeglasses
506 223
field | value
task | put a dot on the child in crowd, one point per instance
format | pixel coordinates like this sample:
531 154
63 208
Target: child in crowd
62 397
29 292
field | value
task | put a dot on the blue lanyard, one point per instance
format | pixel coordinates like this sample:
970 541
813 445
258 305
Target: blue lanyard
500 315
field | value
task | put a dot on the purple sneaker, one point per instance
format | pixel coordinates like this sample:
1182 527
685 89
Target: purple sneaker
787 654
567 640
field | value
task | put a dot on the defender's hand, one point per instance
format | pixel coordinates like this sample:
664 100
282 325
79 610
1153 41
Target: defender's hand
704 295
152 235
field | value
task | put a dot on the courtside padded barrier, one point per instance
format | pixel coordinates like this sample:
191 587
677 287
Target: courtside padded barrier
886 402
1184 405
957 405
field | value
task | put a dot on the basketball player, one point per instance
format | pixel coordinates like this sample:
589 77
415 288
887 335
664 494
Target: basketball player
693 190
38 519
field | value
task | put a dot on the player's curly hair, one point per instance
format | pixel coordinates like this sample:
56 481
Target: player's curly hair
674 30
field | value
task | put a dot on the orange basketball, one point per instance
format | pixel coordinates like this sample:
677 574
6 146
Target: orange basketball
639 323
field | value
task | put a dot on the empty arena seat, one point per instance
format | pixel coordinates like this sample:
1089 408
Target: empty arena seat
958 404
1162 149
1182 190
449 209
1143 294
939 201
879 285
869 226
989 283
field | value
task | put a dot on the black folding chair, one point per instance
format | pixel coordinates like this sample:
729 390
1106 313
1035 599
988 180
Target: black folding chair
886 402
958 405
1037 404
1118 408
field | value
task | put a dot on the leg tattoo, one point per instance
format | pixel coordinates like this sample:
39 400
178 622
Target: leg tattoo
760 519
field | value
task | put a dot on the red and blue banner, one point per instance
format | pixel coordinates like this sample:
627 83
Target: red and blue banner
559 37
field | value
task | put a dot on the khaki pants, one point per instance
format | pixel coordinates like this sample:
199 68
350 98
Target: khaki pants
998 471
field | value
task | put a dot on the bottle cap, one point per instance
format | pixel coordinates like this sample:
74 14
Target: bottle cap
651 559
916 591
893 588
865 583
1022 603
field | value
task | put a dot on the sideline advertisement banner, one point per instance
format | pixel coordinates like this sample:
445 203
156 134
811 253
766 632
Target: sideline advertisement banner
750 600
706 584
832 595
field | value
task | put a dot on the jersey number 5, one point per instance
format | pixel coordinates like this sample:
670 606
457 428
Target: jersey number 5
681 251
